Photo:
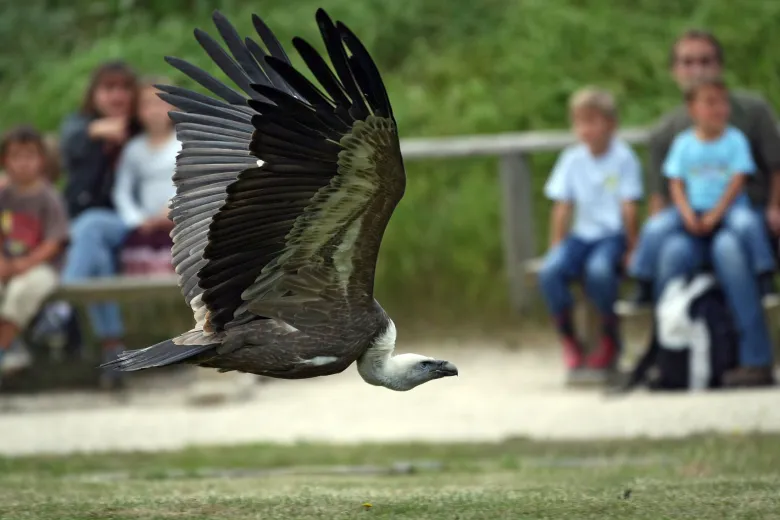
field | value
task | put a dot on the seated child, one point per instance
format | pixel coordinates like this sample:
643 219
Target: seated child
144 185
33 232
707 167
600 178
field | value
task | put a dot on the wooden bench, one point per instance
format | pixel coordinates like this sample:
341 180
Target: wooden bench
585 312
587 316
119 288
153 309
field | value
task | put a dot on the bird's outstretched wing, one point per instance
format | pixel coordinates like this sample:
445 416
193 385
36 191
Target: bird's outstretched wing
286 235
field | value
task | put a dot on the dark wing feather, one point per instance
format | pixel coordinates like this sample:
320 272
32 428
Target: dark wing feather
195 103
274 48
207 81
238 49
365 65
321 71
286 236
338 57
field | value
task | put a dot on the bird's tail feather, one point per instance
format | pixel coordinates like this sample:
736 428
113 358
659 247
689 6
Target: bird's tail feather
164 353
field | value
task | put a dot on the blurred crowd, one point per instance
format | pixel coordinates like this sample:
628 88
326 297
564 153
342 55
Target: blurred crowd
106 216
706 258
713 181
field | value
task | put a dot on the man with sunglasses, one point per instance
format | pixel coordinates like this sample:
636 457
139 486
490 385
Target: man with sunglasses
745 280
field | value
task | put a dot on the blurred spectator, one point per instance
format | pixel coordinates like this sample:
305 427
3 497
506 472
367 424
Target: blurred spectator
694 55
52 162
144 185
92 139
33 228
600 179
697 54
91 142
707 167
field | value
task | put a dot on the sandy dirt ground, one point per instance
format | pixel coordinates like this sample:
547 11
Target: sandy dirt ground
499 393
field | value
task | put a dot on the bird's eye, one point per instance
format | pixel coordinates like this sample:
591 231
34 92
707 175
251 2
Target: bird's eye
425 364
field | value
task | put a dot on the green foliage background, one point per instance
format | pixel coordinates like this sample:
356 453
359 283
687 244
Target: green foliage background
452 67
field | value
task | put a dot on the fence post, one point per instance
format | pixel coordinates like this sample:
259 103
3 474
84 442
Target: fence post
518 226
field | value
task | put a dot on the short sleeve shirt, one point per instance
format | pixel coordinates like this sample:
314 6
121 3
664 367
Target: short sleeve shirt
751 114
707 167
29 219
597 186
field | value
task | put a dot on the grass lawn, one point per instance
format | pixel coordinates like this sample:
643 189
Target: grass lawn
704 477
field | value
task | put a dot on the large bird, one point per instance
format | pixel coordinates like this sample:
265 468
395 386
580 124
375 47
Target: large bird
283 194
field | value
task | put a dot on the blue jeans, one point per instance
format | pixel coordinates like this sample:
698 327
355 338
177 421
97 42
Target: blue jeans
596 262
746 222
682 255
95 237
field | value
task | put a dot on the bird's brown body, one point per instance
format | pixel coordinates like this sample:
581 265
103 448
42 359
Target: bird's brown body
269 348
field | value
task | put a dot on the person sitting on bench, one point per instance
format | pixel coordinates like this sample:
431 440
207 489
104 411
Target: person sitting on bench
600 177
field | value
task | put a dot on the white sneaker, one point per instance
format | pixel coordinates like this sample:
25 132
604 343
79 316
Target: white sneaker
17 358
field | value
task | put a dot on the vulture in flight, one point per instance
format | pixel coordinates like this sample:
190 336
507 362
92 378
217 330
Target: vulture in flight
283 193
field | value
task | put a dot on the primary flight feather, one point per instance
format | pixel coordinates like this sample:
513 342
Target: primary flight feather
283 192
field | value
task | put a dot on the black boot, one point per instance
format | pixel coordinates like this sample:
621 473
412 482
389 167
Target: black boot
643 294
766 285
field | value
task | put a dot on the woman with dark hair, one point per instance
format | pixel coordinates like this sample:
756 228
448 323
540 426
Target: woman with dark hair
91 141
92 138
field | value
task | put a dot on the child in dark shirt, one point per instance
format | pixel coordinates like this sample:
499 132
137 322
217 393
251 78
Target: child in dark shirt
33 231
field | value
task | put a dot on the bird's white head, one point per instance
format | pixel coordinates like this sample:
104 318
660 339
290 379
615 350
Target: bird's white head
402 372
406 371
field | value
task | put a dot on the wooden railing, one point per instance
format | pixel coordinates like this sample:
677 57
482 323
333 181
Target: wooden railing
514 175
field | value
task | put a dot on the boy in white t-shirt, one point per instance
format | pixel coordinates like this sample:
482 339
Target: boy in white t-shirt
599 180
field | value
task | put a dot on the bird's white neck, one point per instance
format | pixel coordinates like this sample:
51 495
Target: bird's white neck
376 365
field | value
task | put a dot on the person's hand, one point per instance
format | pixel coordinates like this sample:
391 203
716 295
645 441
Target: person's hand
5 269
627 257
19 266
154 223
112 129
709 221
657 203
147 226
692 223
773 219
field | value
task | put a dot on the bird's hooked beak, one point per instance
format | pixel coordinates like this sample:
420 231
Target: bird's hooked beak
445 369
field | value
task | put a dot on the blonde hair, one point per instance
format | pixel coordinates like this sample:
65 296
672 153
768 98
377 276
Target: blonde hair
596 99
